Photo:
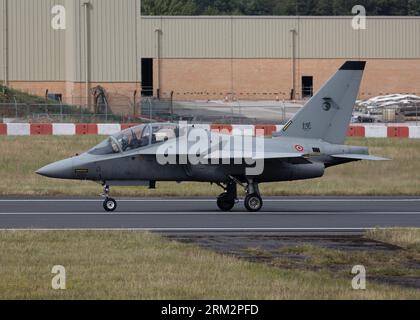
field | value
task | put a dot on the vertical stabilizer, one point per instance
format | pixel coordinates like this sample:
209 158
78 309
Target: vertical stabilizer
328 113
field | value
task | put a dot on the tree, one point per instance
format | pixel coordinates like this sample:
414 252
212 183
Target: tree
279 7
413 8
169 7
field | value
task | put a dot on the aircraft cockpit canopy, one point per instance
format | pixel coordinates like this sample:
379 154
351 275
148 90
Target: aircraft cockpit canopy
137 137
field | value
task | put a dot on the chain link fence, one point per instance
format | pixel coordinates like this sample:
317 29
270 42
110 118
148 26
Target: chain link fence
60 113
121 108
392 113
220 112
17 106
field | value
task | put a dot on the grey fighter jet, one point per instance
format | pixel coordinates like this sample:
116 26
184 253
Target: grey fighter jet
307 145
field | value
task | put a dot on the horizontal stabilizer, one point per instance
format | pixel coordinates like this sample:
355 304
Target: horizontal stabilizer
359 157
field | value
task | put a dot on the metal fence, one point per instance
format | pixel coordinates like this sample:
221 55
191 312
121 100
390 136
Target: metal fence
61 113
166 109
221 112
102 106
399 113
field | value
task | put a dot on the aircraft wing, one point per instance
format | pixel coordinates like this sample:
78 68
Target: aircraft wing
256 156
276 155
171 148
359 157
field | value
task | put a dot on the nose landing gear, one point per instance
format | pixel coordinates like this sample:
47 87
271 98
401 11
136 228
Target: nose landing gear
110 205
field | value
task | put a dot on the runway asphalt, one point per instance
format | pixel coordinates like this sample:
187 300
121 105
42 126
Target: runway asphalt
315 215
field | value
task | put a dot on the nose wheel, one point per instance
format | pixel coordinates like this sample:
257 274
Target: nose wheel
110 205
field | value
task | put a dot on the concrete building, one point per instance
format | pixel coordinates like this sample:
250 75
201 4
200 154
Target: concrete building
109 43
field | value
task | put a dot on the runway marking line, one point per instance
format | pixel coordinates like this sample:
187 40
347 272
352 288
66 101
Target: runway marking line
210 200
198 229
116 214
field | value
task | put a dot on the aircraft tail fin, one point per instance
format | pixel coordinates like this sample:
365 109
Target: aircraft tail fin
327 114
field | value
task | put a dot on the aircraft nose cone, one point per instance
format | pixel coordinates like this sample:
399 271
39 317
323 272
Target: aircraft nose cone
60 170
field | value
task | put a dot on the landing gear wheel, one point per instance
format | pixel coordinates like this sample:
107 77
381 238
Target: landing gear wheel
225 203
253 202
110 205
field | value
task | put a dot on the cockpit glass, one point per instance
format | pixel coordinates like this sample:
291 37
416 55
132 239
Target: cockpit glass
164 132
136 137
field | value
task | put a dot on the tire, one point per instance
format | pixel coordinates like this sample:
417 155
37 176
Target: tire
225 203
110 205
253 203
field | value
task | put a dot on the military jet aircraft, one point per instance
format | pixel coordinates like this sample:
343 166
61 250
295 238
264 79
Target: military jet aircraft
307 145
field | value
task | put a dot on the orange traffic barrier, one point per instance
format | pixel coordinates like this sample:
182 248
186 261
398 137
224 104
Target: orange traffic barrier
356 131
268 130
221 128
398 132
86 129
41 129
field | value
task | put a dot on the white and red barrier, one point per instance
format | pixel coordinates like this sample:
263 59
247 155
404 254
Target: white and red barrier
64 129
414 132
376 132
70 129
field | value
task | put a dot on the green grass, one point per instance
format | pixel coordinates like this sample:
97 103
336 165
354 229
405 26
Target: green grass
379 263
405 238
20 157
135 265
9 95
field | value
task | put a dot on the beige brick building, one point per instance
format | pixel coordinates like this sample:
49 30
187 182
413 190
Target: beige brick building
67 47
267 57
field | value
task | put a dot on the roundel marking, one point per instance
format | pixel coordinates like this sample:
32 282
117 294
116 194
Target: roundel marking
326 106
299 148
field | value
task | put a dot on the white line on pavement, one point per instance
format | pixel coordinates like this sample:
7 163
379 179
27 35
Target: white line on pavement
205 213
200 229
210 200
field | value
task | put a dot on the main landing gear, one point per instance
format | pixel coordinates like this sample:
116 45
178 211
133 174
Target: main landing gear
110 205
253 200
227 200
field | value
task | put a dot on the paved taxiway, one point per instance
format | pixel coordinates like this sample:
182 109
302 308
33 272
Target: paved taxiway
180 215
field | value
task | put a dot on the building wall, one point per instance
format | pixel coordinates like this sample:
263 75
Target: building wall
270 37
112 32
198 57
271 78
2 40
35 50
251 57
41 58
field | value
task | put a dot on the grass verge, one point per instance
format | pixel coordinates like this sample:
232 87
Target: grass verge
135 265
406 238
21 156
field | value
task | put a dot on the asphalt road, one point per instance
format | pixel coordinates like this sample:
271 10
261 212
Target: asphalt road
201 215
